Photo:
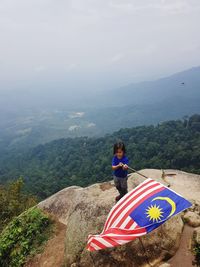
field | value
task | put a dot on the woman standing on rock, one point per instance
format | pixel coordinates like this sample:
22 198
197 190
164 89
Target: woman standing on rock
120 169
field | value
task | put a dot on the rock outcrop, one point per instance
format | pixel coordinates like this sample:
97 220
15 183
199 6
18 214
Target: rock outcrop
84 211
192 218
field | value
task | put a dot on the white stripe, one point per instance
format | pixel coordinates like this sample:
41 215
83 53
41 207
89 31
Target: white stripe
104 242
122 242
91 237
124 224
130 235
133 226
89 240
95 246
121 206
133 203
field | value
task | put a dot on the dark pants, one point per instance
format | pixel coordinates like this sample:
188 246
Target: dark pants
121 185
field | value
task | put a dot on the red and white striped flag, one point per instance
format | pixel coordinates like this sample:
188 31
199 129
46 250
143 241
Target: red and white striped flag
121 226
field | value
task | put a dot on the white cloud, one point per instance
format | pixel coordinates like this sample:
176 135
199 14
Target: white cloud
116 58
71 67
121 5
74 115
73 128
90 125
40 68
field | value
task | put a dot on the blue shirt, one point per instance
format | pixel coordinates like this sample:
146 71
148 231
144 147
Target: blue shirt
120 172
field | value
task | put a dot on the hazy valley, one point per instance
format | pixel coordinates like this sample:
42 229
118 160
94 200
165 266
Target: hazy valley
26 120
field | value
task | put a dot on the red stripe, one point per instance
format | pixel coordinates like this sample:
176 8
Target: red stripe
127 237
125 232
117 206
99 244
131 200
110 240
90 248
137 204
129 224
130 236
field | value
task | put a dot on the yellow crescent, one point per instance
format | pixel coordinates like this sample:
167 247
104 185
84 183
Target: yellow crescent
170 201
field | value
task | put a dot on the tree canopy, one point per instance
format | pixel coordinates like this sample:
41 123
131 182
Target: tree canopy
82 161
13 201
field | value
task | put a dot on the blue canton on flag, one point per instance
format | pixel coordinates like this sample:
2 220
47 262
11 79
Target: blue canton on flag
158 208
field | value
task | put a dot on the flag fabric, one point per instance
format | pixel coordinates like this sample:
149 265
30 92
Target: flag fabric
139 212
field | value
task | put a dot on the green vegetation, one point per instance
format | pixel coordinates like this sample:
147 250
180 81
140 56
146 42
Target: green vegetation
13 201
23 236
197 253
83 161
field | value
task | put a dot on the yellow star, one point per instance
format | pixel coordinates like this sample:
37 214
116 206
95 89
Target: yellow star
154 213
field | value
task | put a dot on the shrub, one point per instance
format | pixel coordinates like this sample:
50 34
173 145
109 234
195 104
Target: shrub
23 236
197 253
13 201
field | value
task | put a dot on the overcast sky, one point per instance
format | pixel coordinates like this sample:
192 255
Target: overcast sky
96 44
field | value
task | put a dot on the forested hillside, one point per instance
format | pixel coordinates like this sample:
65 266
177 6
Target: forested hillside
83 161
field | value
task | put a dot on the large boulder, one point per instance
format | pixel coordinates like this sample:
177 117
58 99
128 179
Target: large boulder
153 248
89 216
84 211
192 218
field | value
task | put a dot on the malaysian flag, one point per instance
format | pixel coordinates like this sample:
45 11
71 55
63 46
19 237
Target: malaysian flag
139 212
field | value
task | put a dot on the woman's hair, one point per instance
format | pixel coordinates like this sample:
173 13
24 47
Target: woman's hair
117 146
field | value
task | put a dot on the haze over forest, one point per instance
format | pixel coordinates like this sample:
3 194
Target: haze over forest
89 46
74 68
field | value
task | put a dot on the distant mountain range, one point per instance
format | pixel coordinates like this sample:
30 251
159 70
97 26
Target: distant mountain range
31 118
184 84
